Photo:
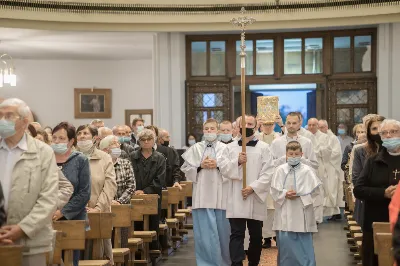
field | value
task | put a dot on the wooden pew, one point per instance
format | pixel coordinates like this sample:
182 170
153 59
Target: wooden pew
121 219
187 189
100 228
143 207
384 249
174 197
72 238
379 228
11 255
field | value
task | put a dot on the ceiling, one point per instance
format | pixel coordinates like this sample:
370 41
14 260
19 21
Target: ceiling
75 45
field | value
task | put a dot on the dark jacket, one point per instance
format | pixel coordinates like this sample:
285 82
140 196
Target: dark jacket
2 210
150 180
346 156
360 157
396 241
173 165
127 148
77 170
370 187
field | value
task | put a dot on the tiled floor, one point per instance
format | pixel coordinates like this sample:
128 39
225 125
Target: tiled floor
330 245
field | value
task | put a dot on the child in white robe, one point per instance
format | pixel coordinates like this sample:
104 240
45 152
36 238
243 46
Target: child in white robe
294 188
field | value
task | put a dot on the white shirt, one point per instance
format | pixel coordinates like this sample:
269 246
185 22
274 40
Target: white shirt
8 159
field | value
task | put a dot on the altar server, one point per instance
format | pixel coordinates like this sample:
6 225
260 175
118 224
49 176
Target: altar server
247 206
206 163
294 188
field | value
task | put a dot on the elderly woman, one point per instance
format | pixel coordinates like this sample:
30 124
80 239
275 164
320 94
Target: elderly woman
75 167
149 167
42 136
376 185
103 184
124 176
357 131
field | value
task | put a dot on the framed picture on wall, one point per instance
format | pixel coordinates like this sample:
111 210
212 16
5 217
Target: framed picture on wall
92 103
145 114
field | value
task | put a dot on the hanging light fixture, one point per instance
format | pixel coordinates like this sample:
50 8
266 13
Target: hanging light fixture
7 71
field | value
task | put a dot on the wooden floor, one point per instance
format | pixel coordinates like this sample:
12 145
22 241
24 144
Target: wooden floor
330 246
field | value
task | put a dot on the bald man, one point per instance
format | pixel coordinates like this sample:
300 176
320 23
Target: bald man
334 182
124 138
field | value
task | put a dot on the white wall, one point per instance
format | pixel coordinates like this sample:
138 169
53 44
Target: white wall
48 87
389 70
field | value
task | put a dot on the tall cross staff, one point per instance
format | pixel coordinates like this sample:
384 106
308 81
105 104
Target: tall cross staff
243 22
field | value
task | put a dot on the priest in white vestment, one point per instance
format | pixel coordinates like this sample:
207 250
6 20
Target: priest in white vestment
205 164
334 183
294 188
247 206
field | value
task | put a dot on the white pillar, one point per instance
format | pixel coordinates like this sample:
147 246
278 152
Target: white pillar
169 85
388 70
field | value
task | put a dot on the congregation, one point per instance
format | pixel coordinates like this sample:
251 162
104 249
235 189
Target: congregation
296 179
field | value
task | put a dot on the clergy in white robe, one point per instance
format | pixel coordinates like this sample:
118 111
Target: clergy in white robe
294 188
247 206
205 164
333 185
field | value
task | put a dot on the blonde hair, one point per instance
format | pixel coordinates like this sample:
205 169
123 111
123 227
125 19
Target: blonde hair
293 146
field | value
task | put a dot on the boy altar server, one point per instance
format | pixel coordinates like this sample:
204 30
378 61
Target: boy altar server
205 165
294 188
247 206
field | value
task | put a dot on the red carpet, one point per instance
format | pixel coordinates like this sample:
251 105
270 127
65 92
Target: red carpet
268 256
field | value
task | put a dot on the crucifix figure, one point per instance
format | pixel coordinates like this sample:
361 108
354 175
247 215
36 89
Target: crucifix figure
395 172
242 23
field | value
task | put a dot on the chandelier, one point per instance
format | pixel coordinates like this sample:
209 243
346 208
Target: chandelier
7 71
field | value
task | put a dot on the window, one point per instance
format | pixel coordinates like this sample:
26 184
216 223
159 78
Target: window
313 55
362 53
217 58
199 58
341 54
249 57
264 57
292 56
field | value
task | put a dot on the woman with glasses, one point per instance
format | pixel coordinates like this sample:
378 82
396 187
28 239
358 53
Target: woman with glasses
377 184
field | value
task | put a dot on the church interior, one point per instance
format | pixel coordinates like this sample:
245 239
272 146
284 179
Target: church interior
114 107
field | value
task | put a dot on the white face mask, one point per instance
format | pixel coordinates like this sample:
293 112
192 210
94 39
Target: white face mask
140 128
115 153
210 137
191 142
85 145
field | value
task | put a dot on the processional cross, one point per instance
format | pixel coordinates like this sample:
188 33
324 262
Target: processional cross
242 22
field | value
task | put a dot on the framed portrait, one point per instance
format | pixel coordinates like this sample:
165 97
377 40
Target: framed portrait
92 103
145 114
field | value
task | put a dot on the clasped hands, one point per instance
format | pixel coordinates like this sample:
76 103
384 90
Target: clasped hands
10 233
291 194
389 192
209 163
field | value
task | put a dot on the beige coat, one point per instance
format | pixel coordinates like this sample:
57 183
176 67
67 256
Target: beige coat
65 190
103 186
33 196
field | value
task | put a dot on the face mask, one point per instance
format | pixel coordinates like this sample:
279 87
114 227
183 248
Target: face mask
293 161
85 145
225 137
391 144
249 132
191 142
166 143
60 148
140 128
7 129
115 153
376 138
341 131
210 137
123 139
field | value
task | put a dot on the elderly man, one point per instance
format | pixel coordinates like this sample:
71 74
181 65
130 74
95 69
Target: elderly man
29 176
123 137
97 123
343 138
137 126
335 176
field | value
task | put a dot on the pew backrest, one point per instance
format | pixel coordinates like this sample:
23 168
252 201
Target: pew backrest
11 255
384 248
379 227
121 215
100 225
148 205
73 234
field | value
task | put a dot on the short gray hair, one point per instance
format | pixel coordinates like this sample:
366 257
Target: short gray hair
324 122
389 122
107 141
94 121
146 133
117 127
23 109
104 130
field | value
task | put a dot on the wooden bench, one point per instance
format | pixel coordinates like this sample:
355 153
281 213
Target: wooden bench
100 228
383 249
121 219
71 238
11 255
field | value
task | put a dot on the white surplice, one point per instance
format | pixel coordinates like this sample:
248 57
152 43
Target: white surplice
259 171
209 185
334 183
295 215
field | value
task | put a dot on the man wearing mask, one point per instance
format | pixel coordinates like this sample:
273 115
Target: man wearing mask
333 185
137 126
174 177
247 206
225 132
343 138
124 139
206 164
29 176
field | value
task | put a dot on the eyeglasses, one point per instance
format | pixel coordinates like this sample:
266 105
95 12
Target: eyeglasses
391 132
9 116
145 139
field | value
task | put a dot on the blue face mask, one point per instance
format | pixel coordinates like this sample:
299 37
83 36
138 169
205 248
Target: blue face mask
293 161
341 131
7 128
124 139
60 148
391 144
191 142
225 137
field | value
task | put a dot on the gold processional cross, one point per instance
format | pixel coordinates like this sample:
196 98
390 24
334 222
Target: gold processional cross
242 22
